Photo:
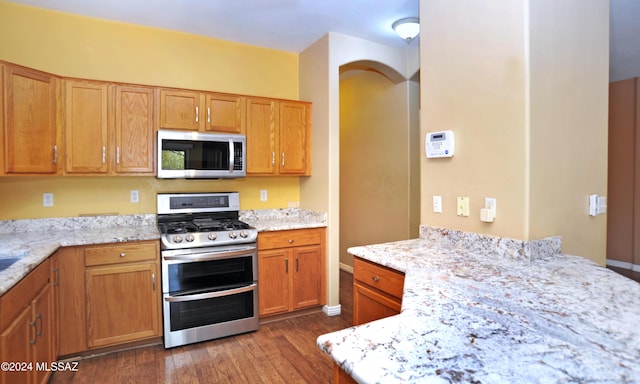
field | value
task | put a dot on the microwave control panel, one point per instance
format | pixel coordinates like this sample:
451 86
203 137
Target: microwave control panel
439 144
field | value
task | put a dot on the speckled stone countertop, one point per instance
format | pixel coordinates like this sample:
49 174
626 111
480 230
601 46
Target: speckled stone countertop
36 239
283 219
482 309
33 240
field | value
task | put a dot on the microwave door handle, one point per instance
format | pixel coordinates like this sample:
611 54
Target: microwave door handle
231 156
210 295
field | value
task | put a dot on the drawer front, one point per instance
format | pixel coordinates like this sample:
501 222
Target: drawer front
379 277
121 253
290 238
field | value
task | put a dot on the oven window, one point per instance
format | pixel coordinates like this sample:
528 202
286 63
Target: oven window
197 313
202 276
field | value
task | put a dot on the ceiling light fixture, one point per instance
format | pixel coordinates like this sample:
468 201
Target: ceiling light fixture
407 28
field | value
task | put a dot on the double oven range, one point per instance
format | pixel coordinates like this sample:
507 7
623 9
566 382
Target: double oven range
209 267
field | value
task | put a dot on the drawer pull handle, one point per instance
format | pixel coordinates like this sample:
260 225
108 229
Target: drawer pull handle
123 254
291 241
375 278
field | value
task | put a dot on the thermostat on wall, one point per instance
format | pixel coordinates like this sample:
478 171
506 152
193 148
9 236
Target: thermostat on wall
439 144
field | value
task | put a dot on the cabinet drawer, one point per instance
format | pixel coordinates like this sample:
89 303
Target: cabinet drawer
290 238
19 297
121 253
382 278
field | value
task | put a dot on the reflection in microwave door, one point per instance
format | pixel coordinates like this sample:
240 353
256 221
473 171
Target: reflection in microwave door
173 160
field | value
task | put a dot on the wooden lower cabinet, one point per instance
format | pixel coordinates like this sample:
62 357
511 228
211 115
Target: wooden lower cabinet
377 291
291 270
106 295
27 334
340 376
122 304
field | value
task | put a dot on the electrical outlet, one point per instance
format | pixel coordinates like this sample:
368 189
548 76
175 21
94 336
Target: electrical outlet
437 204
134 196
47 199
490 204
263 195
463 206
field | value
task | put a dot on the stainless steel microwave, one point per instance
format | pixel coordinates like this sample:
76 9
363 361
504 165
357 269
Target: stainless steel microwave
200 155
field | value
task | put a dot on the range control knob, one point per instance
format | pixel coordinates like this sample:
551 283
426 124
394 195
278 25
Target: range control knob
190 238
212 236
233 235
244 234
177 239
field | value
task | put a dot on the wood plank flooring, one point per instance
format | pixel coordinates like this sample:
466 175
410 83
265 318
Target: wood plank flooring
279 352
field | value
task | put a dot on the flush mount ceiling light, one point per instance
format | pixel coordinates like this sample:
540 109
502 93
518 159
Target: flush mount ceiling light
407 28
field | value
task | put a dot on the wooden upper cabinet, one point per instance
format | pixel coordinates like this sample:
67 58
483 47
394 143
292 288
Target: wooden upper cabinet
108 128
134 129
262 115
30 134
294 138
224 113
278 137
86 127
180 109
201 111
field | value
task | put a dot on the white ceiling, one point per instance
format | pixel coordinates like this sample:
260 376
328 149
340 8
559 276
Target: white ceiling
293 25
288 25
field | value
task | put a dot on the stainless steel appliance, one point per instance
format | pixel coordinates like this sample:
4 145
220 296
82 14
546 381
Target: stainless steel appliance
209 267
201 155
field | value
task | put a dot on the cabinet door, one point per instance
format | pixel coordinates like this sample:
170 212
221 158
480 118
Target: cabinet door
43 347
307 280
15 346
122 303
69 292
224 113
180 109
261 136
134 130
274 269
86 128
30 121
294 138
370 305
2 88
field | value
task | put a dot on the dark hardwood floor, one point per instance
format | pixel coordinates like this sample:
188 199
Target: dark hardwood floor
633 275
282 351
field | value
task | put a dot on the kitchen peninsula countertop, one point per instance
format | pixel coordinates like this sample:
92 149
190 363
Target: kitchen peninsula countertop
33 240
493 311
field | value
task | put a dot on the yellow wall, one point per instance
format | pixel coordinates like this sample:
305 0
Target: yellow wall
473 83
84 47
375 180
569 121
73 196
523 84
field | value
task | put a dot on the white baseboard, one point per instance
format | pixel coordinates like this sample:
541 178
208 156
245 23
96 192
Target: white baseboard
332 311
623 265
346 268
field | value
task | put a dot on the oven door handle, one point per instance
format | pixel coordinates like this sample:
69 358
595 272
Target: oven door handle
211 255
210 295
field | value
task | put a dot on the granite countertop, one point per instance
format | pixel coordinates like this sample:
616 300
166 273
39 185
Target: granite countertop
283 219
485 311
33 240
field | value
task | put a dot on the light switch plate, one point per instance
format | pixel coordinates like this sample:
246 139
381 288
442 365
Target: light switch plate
47 199
437 204
463 206
263 195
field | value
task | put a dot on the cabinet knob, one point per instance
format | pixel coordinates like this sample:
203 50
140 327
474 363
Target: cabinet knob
123 254
375 278
290 241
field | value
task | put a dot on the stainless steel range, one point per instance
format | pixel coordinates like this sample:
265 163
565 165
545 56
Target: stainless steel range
209 267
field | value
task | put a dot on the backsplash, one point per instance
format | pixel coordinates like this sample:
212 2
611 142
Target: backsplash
74 223
505 247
